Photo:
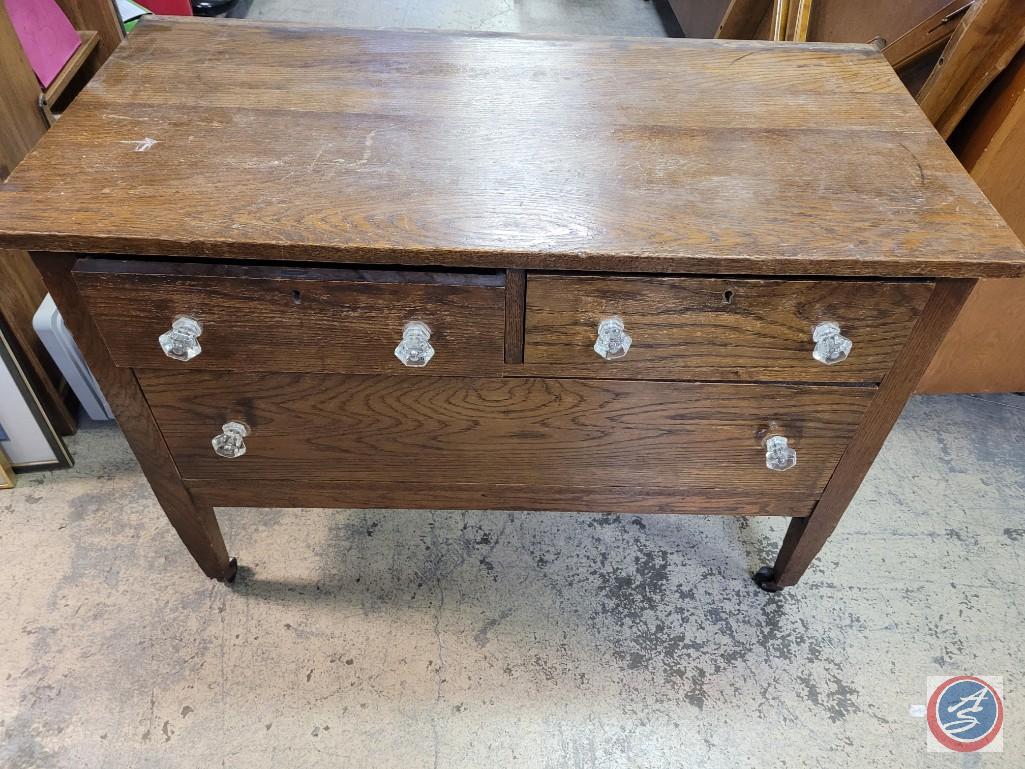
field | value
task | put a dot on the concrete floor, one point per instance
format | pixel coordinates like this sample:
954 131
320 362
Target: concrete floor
637 18
467 639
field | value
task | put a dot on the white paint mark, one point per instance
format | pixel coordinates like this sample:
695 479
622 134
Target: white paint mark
368 145
141 145
288 176
316 160
917 711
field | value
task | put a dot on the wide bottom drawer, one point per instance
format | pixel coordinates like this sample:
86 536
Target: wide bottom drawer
619 438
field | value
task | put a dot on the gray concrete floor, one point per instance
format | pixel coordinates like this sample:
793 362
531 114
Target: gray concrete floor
569 17
471 639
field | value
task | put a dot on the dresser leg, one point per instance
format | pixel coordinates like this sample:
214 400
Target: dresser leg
770 578
765 578
195 523
197 526
806 536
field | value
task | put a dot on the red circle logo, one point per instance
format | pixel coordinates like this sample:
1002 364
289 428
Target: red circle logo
965 714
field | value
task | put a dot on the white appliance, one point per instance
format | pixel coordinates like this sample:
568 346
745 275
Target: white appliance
49 325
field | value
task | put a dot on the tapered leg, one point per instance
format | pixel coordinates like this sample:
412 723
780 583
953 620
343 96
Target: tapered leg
806 536
195 523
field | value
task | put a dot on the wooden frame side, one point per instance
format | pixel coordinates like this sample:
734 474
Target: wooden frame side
806 536
7 477
986 39
515 314
21 292
50 430
741 19
926 36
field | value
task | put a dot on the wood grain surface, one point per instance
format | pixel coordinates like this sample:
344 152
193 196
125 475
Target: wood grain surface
515 299
705 328
271 141
298 319
805 537
196 524
736 19
926 37
504 431
598 498
21 120
987 38
840 21
98 15
984 351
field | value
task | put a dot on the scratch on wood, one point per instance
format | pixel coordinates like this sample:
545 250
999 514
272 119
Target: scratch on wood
921 170
141 145
368 145
316 159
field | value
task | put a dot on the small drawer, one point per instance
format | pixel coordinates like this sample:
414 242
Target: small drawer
717 329
605 438
295 319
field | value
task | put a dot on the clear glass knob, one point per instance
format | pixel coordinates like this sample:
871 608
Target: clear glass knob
830 346
778 454
182 341
230 442
613 341
415 349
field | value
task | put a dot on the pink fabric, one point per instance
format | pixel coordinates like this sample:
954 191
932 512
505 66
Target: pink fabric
167 7
46 35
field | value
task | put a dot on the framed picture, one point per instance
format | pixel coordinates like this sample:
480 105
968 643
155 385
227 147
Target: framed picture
27 437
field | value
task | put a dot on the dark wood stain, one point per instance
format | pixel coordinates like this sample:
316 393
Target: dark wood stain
344 320
195 523
466 150
515 309
443 178
692 328
504 431
426 495
806 537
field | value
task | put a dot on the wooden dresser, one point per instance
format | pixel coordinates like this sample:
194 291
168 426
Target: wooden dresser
418 270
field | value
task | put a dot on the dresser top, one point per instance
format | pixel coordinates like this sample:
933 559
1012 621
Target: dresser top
238 139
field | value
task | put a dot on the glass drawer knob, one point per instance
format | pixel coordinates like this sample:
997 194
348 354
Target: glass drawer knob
830 345
613 341
778 454
230 443
415 349
182 341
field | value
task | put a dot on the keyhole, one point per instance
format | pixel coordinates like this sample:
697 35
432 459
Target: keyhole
727 296
297 297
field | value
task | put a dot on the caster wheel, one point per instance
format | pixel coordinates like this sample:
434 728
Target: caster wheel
765 578
229 576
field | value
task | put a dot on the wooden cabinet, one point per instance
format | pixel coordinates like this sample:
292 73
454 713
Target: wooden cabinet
654 276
